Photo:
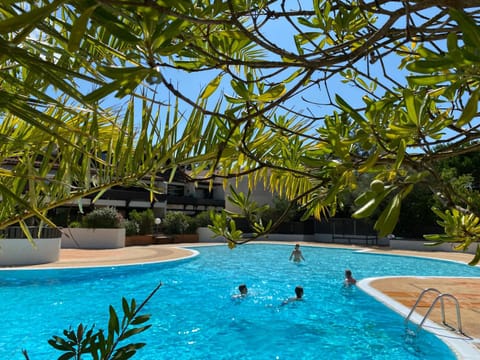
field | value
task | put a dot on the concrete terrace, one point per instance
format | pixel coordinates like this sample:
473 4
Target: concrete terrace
398 290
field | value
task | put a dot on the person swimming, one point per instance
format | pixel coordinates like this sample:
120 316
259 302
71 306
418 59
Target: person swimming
243 291
298 295
349 280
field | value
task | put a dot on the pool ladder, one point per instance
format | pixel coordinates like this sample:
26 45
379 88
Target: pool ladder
440 298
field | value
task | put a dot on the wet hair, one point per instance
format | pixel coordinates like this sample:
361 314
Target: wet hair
348 273
299 291
242 288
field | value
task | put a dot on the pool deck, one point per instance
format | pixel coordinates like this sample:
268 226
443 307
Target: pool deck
402 290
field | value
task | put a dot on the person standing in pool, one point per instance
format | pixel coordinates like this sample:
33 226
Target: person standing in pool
349 280
296 254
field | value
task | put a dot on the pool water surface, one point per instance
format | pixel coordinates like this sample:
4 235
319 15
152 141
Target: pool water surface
195 317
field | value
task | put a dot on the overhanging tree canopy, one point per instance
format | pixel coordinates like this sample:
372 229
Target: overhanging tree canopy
307 97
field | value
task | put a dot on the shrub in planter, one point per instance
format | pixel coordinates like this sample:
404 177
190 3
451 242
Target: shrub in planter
103 218
177 222
181 226
103 228
145 220
131 227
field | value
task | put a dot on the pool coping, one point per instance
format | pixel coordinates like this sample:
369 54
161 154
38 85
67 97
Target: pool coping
464 348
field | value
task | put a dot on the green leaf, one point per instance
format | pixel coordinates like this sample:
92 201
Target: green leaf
476 259
211 87
273 93
79 28
163 36
126 309
113 324
470 29
233 100
134 331
431 66
402 146
428 80
387 220
240 89
411 106
102 92
368 208
470 110
345 106
120 72
68 355
363 198
140 319
452 42
17 22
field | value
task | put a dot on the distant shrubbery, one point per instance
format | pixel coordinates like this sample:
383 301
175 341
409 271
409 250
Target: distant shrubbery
138 223
203 219
105 217
145 220
177 222
131 227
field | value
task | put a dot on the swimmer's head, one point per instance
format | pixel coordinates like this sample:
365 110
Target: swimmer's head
299 291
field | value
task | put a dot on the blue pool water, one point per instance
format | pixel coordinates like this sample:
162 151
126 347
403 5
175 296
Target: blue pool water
194 316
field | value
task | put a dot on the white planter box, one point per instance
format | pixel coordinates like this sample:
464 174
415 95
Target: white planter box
83 238
20 252
207 235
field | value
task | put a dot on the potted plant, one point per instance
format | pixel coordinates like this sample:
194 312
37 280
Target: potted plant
180 227
139 227
103 228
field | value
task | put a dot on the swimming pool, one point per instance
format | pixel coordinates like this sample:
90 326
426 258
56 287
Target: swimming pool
194 316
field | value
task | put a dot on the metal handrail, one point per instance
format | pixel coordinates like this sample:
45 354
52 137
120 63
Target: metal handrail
439 297
457 306
420 298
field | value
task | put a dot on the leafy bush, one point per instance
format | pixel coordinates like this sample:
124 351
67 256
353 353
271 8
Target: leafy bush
144 219
131 227
106 217
203 219
177 222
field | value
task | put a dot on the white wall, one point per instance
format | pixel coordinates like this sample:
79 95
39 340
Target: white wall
84 238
